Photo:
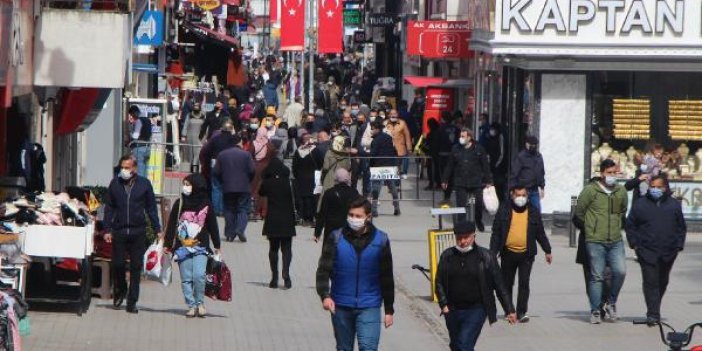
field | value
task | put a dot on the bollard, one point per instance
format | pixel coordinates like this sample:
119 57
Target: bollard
572 239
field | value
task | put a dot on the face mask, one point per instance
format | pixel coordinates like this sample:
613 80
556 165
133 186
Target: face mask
187 190
343 107
464 249
393 119
656 193
354 112
493 133
309 125
269 124
356 224
372 118
253 126
335 134
463 141
197 110
610 180
251 100
125 174
531 148
644 168
520 201
382 116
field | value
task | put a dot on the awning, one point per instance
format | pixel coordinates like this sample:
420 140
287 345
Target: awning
79 108
423 82
454 83
205 33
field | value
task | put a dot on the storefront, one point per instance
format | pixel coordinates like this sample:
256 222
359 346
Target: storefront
601 80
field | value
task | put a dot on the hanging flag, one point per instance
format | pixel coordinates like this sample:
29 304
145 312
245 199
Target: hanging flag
292 25
331 27
273 10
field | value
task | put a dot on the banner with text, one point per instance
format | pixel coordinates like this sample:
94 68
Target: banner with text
439 39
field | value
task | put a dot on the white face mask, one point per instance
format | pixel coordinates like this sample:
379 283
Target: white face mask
393 119
520 201
187 190
356 224
493 133
125 174
462 141
644 168
269 124
610 180
372 118
464 249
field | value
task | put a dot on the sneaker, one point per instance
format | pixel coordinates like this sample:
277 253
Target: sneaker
191 313
404 176
201 311
652 321
595 317
131 308
612 312
287 284
480 226
524 318
375 214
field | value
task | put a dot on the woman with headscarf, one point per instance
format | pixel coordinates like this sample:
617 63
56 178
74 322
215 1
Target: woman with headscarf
262 153
279 225
191 225
303 167
337 157
335 204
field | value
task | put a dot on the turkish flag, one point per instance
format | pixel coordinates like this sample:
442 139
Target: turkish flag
273 6
292 25
331 27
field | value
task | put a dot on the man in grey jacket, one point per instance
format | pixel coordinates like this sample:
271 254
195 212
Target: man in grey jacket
235 169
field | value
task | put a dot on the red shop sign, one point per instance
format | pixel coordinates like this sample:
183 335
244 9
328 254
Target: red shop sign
439 39
440 99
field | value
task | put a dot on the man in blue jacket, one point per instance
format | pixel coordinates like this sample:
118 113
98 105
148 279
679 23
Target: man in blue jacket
358 261
130 198
235 169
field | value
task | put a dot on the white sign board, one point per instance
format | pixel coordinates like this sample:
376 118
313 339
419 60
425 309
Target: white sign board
384 173
610 27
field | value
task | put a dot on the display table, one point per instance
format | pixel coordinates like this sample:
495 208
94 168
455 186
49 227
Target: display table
51 242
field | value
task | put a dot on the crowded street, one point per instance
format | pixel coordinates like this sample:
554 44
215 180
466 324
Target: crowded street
350 175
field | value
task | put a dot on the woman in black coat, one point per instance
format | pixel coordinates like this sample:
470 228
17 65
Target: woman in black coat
334 207
303 167
279 225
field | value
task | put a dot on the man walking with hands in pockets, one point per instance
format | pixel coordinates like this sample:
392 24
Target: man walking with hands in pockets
358 261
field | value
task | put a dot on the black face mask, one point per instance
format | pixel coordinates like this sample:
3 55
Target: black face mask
532 149
309 125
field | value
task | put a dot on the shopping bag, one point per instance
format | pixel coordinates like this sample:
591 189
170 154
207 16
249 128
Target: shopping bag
225 283
490 200
152 261
218 283
166 269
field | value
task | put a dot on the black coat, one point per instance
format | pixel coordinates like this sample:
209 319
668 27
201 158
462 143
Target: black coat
303 169
656 229
212 123
275 186
468 168
382 146
334 209
491 282
535 230
528 170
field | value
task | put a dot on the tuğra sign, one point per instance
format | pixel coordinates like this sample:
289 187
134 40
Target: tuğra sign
614 25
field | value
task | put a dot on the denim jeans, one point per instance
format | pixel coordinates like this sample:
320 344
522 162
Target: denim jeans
142 153
377 186
602 255
192 279
535 198
236 214
364 169
464 327
404 165
217 196
364 322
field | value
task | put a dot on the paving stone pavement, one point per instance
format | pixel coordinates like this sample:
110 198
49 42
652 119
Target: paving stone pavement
260 318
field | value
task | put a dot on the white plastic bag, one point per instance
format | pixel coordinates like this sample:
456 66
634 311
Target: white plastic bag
318 188
153 260
490 200
166 269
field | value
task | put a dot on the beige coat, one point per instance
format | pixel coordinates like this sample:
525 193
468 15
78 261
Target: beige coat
401 138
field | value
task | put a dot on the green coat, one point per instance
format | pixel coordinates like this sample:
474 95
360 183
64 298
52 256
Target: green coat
602 213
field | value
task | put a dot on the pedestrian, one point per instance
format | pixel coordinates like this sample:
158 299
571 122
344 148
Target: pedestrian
469 170
358 260
233 111
220 141
497 151
433 143
383 154
192 224
279 224
600 210
130 200
467 280
401 139
484 129
449 137
191 135
528 170
517 228
213 121
139 138
362 144
335 205
656 230
293 113
235 169
303 167
262 152
336 158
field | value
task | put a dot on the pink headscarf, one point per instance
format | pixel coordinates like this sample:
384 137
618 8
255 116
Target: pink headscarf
261 143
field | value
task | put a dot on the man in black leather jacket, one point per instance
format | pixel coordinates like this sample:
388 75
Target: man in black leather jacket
467 280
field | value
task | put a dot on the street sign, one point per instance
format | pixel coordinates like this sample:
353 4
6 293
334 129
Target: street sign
360 37
439 39
384 173
150 30
352 17
381 20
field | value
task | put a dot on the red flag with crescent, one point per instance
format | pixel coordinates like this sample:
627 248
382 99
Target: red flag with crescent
273 10
331 27
292 25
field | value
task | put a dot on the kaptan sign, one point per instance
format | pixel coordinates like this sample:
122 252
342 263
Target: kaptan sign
600 23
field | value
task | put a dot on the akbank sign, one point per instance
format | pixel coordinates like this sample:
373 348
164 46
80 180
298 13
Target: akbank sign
613 24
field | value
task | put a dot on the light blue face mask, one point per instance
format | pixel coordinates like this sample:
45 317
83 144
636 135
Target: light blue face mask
656 193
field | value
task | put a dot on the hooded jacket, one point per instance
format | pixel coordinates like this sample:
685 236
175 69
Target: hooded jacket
656 229
601 214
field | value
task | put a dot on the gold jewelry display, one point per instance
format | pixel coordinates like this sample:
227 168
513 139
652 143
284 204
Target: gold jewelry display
632 118
685 119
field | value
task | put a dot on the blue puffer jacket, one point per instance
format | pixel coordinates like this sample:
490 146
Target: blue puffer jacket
356 277
125 212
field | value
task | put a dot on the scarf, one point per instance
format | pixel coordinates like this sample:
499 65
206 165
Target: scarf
305 150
